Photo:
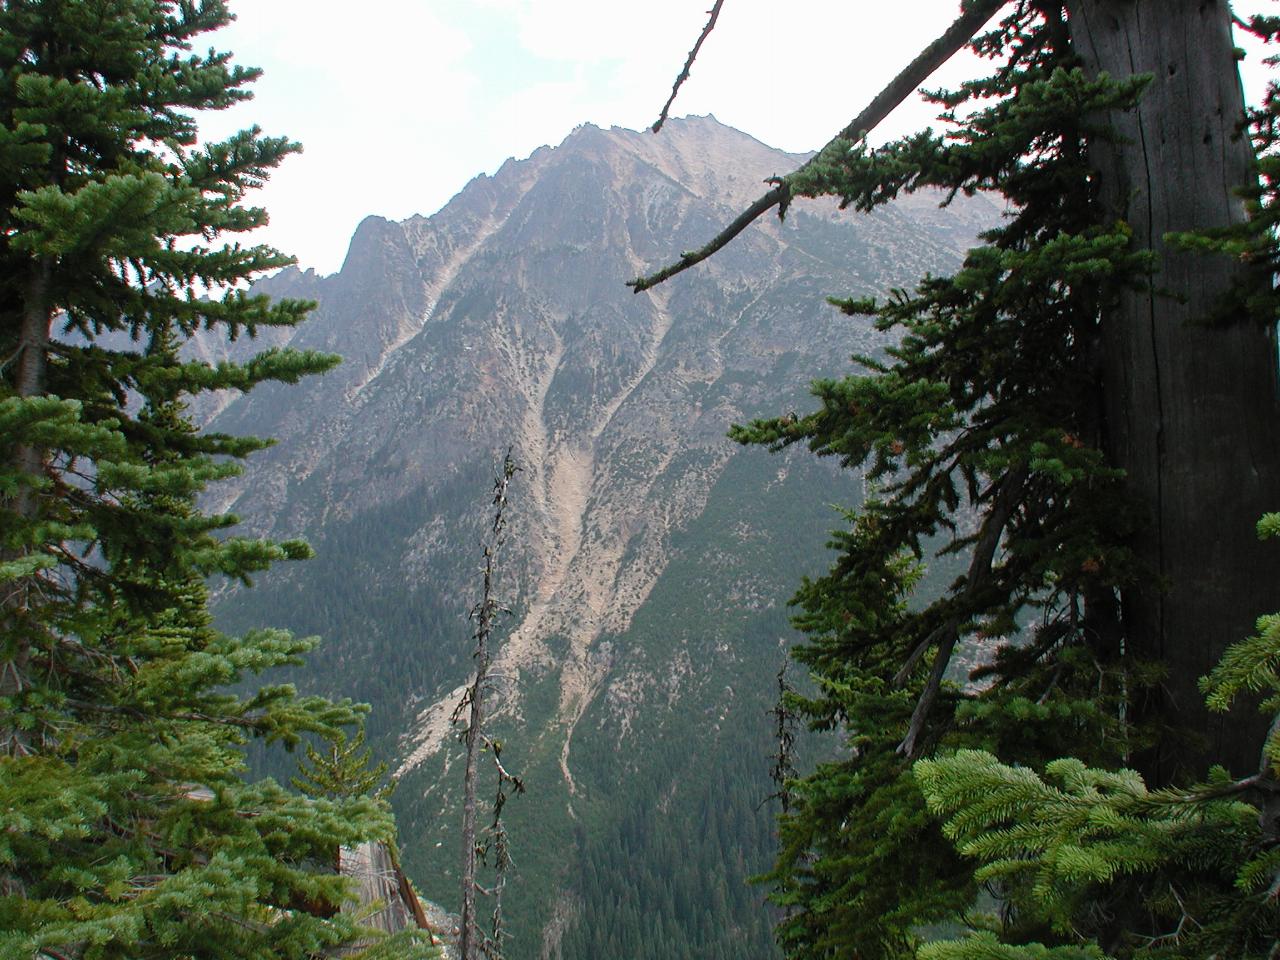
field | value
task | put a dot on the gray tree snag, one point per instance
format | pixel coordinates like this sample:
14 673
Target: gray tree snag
471 943
1190 406
712 16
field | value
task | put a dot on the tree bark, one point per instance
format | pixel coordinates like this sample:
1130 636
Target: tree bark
33 347
1191 409
470 943
33 351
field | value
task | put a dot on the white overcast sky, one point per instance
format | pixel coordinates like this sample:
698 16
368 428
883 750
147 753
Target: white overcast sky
398 103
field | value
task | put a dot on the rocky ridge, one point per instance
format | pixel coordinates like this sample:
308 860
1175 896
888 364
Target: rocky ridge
502 321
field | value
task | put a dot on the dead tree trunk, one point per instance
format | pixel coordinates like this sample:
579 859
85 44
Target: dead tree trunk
471 941
1191 408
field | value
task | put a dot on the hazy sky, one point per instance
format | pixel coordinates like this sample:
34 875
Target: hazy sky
398 103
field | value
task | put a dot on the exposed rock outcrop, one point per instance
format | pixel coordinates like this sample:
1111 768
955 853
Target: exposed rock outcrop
503 321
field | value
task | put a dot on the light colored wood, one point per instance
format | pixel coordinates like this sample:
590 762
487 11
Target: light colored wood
383 899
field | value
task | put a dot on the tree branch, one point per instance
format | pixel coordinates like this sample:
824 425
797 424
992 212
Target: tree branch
714 12
979 577
1269 815
496 751
929 59
921 649
249 722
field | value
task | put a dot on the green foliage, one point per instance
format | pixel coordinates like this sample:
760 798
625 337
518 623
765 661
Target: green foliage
1253 242
343 770
985 946
666 882
983 428
1203 861
1252 666
127 828
1060 847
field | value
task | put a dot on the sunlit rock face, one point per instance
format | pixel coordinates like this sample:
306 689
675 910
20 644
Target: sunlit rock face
648 560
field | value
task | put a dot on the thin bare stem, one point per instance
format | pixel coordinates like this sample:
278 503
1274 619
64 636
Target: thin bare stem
902 86
980 572
471 944
713 13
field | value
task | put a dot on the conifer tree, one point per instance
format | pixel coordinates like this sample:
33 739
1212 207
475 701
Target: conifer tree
1204 860
344 769
1087 411
126 825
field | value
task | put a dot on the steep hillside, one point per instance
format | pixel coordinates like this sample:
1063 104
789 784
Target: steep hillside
649 560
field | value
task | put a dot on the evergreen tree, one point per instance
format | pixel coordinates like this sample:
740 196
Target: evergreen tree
126 827
343 770
1087 411
1204 861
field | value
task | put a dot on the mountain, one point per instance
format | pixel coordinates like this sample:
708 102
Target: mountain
648 560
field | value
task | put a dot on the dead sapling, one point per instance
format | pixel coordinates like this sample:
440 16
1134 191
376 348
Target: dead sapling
496 843
783 770
472 944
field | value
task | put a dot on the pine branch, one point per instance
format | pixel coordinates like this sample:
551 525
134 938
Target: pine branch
714 13
902 86
248 722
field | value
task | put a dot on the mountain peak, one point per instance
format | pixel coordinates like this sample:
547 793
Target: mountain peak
502 321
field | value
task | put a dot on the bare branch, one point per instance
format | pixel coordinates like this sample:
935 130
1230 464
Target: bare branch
783 770
1269 815
947 637
984 552
503 774
921 649
779 196
471 944
713 13
902 86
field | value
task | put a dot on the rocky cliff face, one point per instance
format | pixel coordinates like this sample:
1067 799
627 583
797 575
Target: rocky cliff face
648 558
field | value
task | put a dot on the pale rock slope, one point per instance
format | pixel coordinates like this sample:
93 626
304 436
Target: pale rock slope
503 321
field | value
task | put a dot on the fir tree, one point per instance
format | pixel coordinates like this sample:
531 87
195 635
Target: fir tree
1203 861
342 770
1087 412
126 826
986 407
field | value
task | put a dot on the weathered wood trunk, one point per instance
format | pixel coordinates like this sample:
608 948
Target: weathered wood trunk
1191 409
383 898
470 941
